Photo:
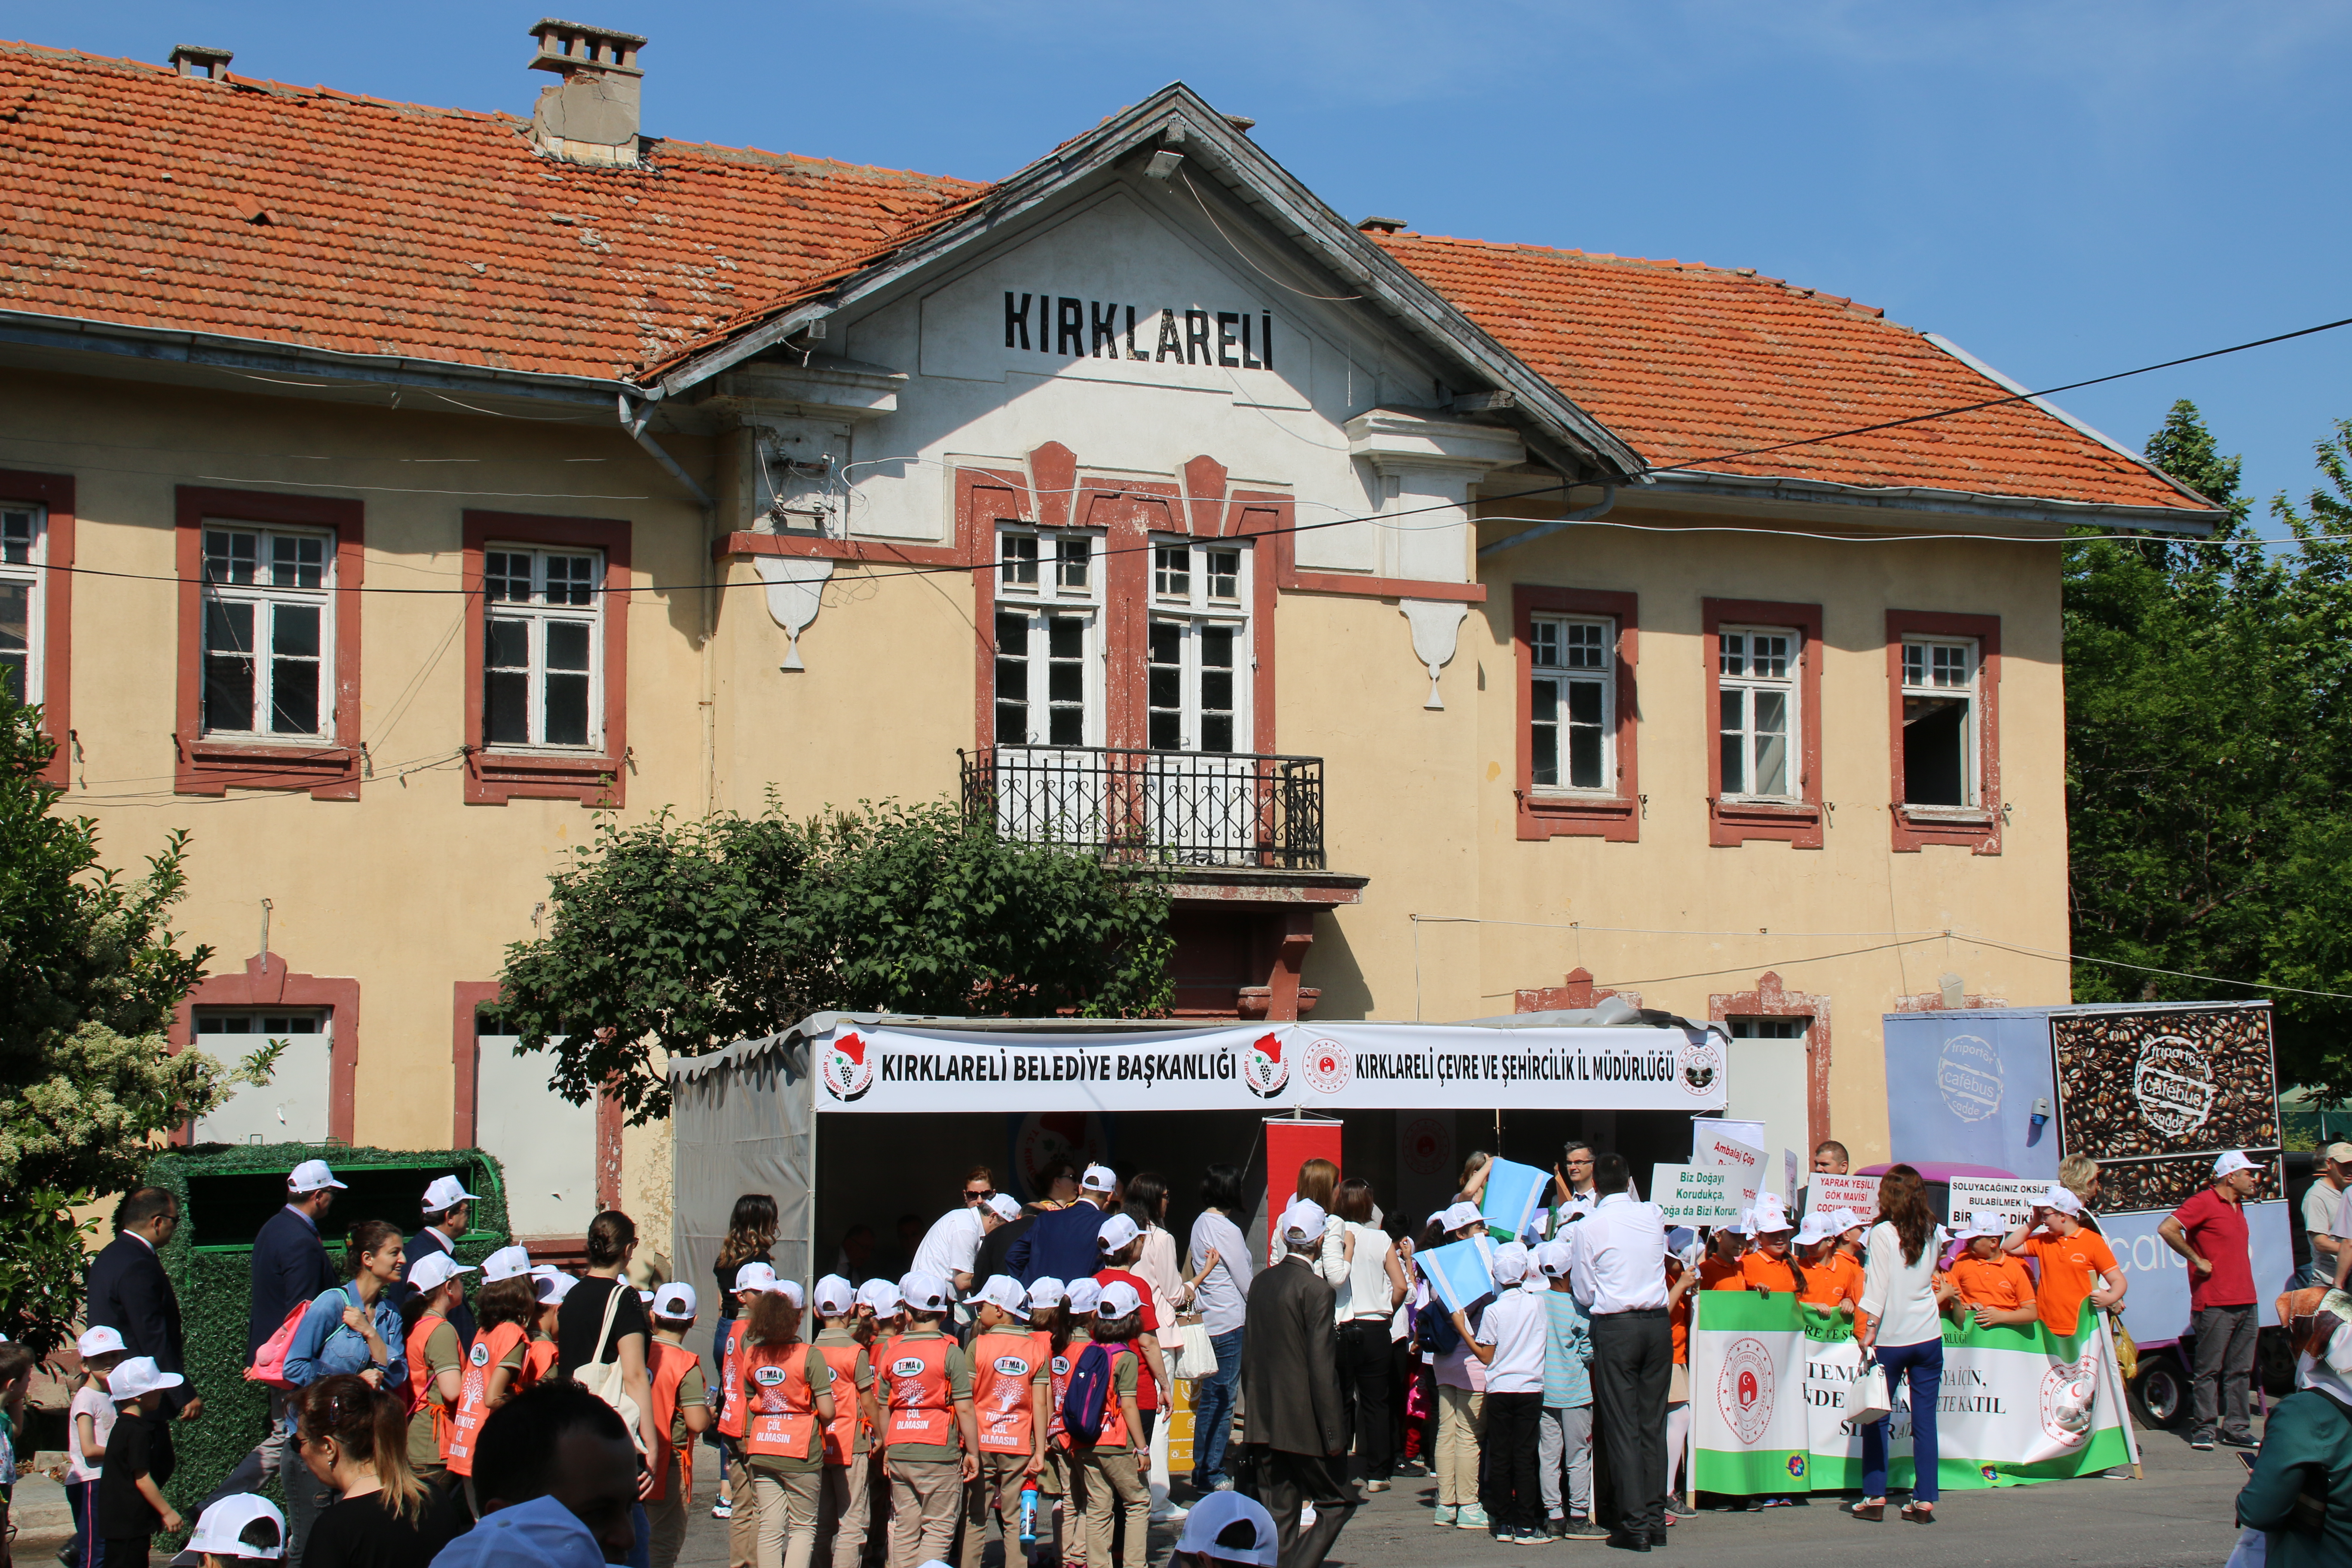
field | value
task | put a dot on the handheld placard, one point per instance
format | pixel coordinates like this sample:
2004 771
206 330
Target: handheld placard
1512 1192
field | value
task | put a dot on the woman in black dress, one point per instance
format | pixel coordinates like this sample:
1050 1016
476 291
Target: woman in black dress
354 1439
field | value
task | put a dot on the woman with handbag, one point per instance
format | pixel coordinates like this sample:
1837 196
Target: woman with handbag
1900 1329
602 1333
354 1329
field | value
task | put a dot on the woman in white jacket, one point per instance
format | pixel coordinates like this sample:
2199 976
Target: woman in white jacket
1901 1325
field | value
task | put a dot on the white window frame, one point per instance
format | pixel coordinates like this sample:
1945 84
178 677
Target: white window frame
1926 664
20 567
1737 672
1052 592
539 613
267 596
1184 576
1570 638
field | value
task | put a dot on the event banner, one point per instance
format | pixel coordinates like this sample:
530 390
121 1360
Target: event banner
1770 1379
1333 1068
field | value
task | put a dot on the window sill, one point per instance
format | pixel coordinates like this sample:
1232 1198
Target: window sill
495 777
1970 828
1733 820
210 765
1616 818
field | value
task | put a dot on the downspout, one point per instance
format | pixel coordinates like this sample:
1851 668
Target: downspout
633 421
1608 499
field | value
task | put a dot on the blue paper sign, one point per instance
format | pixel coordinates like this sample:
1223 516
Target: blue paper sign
1457 1272
1512 1192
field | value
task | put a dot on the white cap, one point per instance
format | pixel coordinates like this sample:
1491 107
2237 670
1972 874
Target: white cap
789 1289
1551 1258
925 1292
645 1299
1116 1232
1304 1221
139 1375
675 1300
310 1176
1005 1291
1045 1291
435 1270
1118 1299
1218 1512
221 1532
446 1193
1768 1216
506 1263
1509 1264
1460 1214
881 1296
1082 1296
99 1340
1817 1227
2231 1163
1099 1179
1985 1225
2059 1198
1002 1205
551 1287
1846 1220
755 1277
540 1533
834 1295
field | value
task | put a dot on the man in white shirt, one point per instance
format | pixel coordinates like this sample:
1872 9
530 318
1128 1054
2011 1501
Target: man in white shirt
2324 1220
954 1241
1509 1338
1618 1272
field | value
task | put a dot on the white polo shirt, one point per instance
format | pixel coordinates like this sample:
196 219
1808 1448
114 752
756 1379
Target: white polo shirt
950 1245
1515 1325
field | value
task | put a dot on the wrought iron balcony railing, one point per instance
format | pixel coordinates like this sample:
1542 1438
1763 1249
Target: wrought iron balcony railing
1170 808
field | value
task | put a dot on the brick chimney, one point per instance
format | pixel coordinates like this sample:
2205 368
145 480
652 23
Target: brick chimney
591 116
197 59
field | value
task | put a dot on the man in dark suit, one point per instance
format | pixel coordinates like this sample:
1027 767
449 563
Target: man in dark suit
1295 1424
129 1292
448 1209
289 1260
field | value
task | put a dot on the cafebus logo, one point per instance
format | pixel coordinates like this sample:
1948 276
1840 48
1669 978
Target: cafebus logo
2173 1082
1263 1071
1743 1390
1968 1076
848 1067
1328 1067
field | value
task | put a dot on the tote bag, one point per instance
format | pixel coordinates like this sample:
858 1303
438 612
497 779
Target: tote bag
1871 1400
602 1378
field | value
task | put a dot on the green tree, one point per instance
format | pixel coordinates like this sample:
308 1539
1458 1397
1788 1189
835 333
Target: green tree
683 936
91 973
2208 758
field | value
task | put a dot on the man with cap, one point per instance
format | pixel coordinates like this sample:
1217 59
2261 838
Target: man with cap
2209 1230
1062 1242
2325 1217
290 1270
448 1209
948 1247
1294 1419
129 1292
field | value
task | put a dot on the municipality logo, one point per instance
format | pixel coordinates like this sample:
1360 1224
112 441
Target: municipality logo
1263 1071
848 1067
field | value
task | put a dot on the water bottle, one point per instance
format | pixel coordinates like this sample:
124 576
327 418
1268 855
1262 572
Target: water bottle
1028 1515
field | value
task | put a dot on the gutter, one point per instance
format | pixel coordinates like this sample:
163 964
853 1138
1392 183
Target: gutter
2190 522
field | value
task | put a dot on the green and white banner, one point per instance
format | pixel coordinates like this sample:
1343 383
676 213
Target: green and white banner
1770 1381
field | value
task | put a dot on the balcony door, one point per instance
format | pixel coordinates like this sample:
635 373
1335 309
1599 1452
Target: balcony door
1052 785
1201 795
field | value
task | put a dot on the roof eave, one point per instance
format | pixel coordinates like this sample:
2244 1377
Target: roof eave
2189 522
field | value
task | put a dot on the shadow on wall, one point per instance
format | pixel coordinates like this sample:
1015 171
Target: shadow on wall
1331 965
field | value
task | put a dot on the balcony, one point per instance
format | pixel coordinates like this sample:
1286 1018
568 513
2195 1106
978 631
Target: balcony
1219 810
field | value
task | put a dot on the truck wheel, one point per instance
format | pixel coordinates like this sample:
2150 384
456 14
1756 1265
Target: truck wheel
2159 1395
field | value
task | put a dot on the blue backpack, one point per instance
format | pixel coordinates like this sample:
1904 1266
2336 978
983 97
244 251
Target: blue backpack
1087 1393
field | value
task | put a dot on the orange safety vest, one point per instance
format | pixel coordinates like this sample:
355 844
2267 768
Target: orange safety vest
1003 1365
420 1380
671 1363
536 1363
841 1436
1057 1387
922 1404
473 1398
1114 1422
730 1359
780 1402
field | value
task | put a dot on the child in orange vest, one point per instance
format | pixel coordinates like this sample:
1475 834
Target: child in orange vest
681 1413
1011 1376
436 1363
503 1314
930 1432
845 1494
1119 1459
752 1281
785 1388
549 1285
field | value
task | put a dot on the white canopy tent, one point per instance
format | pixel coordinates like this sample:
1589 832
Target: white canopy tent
747 1118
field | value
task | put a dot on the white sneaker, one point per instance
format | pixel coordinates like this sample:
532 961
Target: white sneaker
1173 1513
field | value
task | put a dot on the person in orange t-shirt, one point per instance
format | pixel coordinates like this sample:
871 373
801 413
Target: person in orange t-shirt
2074 1264
1724 1248
1833 1280
1768 1267
1987 1282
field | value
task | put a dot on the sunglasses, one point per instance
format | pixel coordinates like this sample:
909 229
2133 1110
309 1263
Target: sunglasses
978 1196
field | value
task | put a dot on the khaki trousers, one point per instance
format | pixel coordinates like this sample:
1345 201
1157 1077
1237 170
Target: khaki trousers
743 1522
668 1519
1065 1478
1117 1493
926 1498
998 1490
844 1500
1461 1427
787 1510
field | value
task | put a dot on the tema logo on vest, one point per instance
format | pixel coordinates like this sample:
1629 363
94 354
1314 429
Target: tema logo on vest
480 1354
907 1366
1743 1392
1263 1069
768 1376
1012 1367
848 1067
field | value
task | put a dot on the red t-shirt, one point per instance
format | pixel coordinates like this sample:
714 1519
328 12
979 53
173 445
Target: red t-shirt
2216 1232
1147 1391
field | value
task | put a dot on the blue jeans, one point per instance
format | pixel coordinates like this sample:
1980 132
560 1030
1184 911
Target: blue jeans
1212 1410
1925 1364
641 1555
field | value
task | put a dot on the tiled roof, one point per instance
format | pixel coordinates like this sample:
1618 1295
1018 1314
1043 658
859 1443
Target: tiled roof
1686 362
313 217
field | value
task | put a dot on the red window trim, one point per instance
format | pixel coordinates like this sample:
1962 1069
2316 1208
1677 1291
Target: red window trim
1770 1000
55 494
465 1126
268 982
1616 819
1911 828
494 777
1731 823
329 771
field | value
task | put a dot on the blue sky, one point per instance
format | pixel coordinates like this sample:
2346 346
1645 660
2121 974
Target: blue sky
2065 190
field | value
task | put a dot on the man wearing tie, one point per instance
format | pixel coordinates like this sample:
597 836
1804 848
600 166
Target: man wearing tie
129 1292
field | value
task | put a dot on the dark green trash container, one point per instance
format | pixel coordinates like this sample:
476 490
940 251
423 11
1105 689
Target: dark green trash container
226 1193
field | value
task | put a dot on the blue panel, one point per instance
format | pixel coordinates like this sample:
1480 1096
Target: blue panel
2155 1302
1960 1089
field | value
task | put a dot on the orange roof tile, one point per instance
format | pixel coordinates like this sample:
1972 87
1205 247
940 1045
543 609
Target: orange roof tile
1687 362
313 217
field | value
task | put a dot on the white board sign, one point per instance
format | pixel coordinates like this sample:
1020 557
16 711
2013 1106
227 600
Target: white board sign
1723 1151
1859 1193
2003 1197
1694 1194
